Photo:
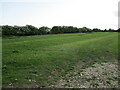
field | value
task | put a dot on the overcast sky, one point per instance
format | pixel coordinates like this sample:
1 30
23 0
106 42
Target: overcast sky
79 13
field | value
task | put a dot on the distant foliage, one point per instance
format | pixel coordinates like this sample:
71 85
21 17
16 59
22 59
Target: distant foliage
85 30
118 30
24 30
31 30
96 30
64 29
43 30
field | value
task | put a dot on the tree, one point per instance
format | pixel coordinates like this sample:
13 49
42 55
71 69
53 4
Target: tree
7 30
96 30
43 30
85 30
55 29
118 30
32 30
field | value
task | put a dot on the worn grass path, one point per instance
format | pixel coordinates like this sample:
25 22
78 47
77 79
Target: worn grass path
98 75
40 61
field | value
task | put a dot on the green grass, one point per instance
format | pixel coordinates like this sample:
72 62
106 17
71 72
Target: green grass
40 60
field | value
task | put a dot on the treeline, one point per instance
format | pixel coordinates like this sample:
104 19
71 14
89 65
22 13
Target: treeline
24 30
32 30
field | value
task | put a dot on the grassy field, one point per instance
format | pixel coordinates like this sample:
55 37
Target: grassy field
39 61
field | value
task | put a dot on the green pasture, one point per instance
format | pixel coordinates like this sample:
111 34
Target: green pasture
41 60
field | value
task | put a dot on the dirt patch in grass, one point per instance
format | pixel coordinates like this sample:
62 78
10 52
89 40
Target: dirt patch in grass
99 75
80 64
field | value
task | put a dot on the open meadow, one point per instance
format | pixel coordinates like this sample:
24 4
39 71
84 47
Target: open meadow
44 60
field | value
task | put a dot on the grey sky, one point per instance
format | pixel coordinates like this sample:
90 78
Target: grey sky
90 13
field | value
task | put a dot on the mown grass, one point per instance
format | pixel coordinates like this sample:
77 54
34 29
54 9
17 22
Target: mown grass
39 61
